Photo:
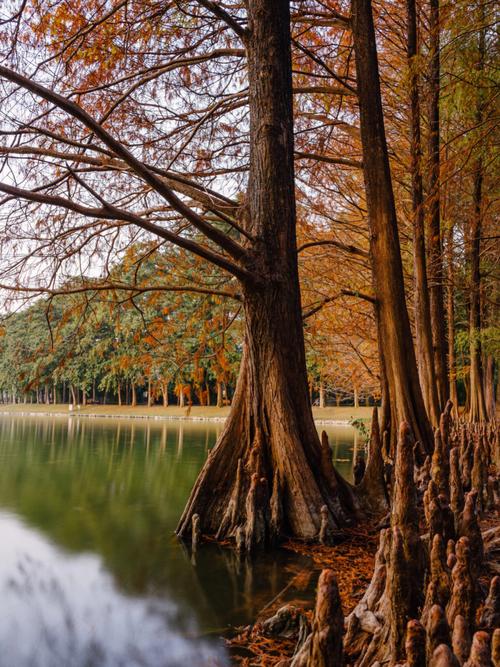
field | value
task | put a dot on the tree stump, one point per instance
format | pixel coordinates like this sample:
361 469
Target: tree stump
256 513
456 488
376 629
480 653
495 648
461 639
371 491
325 534
415 644
324 646
490 615
438 581
440 465
438 630
462 601
469 527
443 657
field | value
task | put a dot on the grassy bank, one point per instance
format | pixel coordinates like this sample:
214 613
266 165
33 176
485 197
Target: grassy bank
341 414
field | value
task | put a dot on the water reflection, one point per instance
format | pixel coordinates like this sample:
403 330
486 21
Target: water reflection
68 612
88 536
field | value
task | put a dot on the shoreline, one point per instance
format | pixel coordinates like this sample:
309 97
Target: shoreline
341 416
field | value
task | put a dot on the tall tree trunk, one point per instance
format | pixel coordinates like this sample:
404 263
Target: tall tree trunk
133 391
434 227
489 386
150 401
220 401
164 392
394 326
450 307
269 476
477 408
423 327
356 398
477 404
321 394
119 392
207 389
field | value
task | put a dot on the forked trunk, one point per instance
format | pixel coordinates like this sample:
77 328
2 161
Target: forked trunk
268 476
393 323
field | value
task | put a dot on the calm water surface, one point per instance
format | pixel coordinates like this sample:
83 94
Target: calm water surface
91 574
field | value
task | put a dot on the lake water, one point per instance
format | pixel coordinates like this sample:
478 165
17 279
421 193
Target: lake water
91 574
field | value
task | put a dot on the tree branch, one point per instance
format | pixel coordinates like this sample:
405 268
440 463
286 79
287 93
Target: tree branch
110 212
157 183
344 292
353 250
226 17
330 159
108 287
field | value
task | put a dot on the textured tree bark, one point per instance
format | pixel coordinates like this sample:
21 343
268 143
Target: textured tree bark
434 227
268 473
321 394
324 646
133 401
164 393
423 325
489 386
371 489
220 401
450 313
477 407
394 327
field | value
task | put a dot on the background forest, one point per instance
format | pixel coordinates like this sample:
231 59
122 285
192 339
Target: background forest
141 315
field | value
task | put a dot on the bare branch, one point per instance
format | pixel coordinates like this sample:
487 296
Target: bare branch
221 13
158 184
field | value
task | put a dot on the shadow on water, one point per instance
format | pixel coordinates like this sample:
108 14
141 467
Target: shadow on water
89 567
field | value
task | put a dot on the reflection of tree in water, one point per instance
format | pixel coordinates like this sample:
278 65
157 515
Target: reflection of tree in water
63 610
117 489
250 586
